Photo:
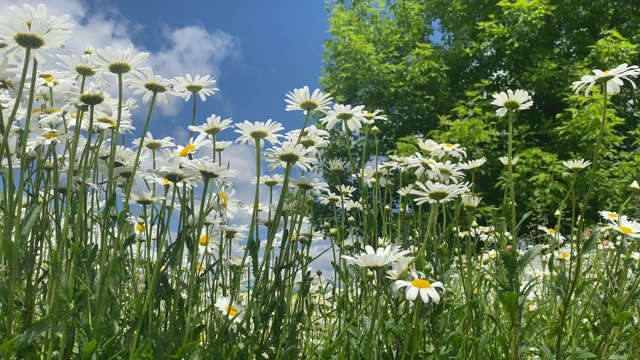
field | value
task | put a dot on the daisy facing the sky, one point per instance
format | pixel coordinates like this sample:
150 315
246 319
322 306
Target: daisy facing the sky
300 99
425 288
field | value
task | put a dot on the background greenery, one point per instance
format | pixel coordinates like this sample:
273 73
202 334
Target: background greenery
432 66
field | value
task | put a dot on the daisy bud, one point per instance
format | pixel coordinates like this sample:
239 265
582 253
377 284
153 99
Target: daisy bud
326 225
557 213
370 274
387 208
333 232
375 131
48 166
351 220
474 224
426 267
634 186
373 181
319 272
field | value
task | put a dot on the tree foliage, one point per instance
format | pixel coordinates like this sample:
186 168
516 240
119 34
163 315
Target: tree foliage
432 66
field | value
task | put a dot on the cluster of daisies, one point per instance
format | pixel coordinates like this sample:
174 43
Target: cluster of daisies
75 130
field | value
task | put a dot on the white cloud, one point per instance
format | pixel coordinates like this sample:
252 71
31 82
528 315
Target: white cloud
190 49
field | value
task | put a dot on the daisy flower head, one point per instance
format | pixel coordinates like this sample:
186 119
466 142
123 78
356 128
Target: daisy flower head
81 66
610 216
374 259
31 30
470 201
627 227
351 118
454 150
201 85
153 144
214 125
290 153
576 165
258 131
611 78
372 117
118 61
505 160
553 233
145 82
233 311
301 99
473 164
437 192
425 288
518 100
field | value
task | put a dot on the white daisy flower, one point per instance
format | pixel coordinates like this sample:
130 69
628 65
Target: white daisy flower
436 192
290 154
300 99
250 132
628 227
576 165
351 118
201 85
505 160
612 78
425 288
376 258
233 311
518 100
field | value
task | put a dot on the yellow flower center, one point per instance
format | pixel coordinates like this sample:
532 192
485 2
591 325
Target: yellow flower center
49 79
231 310
50 135
187 150
204 240
565 255
421 284
140 227
448 145
612 215
625 230
552 231
223 200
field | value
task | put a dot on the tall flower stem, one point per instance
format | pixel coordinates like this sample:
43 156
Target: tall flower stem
573 280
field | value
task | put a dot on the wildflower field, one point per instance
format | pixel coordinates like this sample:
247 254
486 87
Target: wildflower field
123 246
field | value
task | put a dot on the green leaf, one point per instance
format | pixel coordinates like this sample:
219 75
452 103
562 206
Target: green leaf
89 349
590 244
29 220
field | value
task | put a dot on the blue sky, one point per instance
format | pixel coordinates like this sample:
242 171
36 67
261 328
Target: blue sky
278 47
258 51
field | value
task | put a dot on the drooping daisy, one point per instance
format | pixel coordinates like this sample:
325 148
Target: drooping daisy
351 118
471 201
473 164
373 259
576 165
505 160
454 150
514 101
250 132
187 86
425 288
612 78
335 165
300 99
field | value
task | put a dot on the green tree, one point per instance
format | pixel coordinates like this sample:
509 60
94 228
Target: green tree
432 66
